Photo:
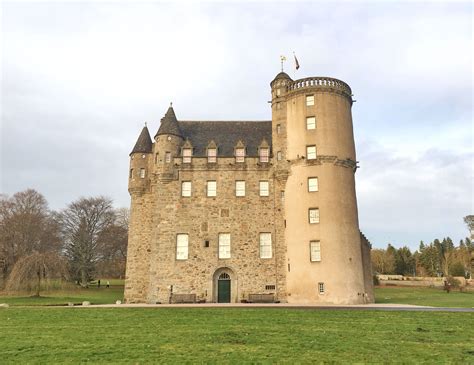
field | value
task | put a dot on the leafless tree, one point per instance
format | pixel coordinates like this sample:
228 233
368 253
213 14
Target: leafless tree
82 224
36 271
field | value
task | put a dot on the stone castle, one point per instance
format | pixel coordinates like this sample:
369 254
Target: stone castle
236 211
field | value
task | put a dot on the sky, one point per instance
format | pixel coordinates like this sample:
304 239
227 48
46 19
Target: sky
80 79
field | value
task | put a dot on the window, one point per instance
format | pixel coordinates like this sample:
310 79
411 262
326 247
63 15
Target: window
313 214
321 288
263 152
211 188
224 245
142 173
264 188
182 242
265 245
309 100
310 122
278 92
311 152
278 128
239 154
167 157
186 188
240 188
279 155
131 173
206 243
278 105
315 251
270 287
212 155
312 184
187 153
282 195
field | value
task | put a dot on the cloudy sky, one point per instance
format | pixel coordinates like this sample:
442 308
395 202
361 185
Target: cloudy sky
80 79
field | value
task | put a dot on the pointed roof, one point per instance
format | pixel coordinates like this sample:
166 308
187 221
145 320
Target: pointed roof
169 124
144 143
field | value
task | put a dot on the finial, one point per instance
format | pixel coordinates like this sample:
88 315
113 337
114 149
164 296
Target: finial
171 104
282 59
145 124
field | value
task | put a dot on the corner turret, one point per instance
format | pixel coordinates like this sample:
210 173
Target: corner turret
140 159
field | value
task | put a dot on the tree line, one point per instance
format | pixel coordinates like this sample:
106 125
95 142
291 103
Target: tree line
87 239
438 258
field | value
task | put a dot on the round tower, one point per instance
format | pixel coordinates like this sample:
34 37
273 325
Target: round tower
322 230
140 161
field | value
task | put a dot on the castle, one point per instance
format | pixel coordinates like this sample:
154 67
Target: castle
236 211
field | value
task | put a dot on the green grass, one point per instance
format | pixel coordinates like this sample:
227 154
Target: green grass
215 335
424 296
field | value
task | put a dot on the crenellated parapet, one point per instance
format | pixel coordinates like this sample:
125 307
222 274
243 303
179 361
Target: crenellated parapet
320 83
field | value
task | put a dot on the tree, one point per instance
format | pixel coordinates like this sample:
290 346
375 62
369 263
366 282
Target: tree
31 272
82 224
26 226
383 261
404 261
469 220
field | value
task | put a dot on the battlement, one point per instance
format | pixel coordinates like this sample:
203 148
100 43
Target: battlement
320 82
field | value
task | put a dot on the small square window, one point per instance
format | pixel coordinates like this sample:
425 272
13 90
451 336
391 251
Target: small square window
240 154
131 173
186 188
167 157
315 251
264 188
311 123
187 153
270 287
321 288
279 155
206 243
240 188
211 155
311 152
142 173
182 244
313 215
309 100
211 188
313 184
264 154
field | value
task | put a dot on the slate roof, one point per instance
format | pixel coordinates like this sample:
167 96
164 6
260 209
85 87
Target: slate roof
144 143
226 134
169 124
282 75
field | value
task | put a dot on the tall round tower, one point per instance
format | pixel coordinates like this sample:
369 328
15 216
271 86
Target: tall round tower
312 124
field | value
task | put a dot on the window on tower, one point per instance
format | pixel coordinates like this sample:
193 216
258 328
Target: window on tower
312 184
315 251
167 157
240 188
313 215
142 173
265 245
309 100
311 152
278 128
311 123
211 188
264 188
182 244
186 188
224 245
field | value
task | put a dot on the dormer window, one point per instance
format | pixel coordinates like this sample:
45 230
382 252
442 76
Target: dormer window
240 154
212 155
187 154
264 154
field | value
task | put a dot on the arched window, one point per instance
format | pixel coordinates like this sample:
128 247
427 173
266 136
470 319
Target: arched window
224 276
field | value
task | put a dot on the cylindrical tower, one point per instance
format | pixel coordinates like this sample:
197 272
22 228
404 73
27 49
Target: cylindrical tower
322 229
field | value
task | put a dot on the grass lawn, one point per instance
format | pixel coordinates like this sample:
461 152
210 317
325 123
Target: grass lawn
424 296
180 335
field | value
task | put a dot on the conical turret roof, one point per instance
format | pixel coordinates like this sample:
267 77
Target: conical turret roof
144 143
169 124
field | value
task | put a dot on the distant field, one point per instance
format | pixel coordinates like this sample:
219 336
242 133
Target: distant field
424 296
226 335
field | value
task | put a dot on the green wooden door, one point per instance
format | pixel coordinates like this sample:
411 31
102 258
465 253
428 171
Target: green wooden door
223 291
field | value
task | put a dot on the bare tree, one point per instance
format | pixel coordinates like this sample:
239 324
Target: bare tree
82 223
34 271
469 220
26 226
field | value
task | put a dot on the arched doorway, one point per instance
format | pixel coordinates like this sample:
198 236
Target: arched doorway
223 288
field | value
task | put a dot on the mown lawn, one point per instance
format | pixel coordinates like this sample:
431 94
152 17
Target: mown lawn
424 296
215 335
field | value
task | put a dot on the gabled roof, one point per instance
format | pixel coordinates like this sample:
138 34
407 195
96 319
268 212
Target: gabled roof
144 143
169 124
226 135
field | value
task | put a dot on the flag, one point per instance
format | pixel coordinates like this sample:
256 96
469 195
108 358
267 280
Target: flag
297 64
282 58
